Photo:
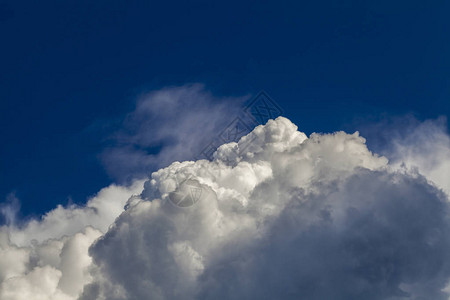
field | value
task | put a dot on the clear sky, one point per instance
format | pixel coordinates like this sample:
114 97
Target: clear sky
71 70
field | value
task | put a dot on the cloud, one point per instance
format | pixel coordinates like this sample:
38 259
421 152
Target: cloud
276 215
173 123
10 209
48 258
427 148
408 142
55 270
288 217
99 212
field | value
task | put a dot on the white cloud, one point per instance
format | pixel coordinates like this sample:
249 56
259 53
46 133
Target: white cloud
427 148
48 258
173 123
288 217
56 269
99 212
414 144
279 216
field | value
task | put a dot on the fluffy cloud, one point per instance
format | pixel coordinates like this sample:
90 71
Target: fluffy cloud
278 215
48 258
281 216
55 270
99 212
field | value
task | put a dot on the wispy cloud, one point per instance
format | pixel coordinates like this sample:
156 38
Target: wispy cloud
10 209
171 124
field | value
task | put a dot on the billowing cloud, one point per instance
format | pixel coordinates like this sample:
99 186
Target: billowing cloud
99 212
277 215
287 217
48 258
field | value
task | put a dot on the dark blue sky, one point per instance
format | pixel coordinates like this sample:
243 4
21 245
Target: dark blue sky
71 67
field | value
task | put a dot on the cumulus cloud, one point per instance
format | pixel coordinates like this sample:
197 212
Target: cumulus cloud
288 217
99 212
276 215
48 258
